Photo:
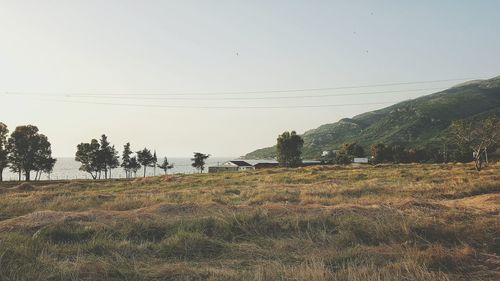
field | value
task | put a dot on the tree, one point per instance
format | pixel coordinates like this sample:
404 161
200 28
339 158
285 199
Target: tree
108 156
46 166
199 161
379 153
329 158
28 149
352 149
126 165
165 166
289 149
145 158
43 161
399 154
88 154
477 137
418 155
155 163
134 165
113 161
3 149
343 159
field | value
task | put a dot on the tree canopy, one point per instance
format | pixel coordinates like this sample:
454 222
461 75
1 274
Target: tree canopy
165 166
146 159
199 161
97 156
289 149
477 137
28 151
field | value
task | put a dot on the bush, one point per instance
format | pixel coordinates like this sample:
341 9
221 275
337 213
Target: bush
65 233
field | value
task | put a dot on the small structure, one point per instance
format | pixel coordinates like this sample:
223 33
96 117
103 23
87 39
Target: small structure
360 161
265 165
231 166
310 163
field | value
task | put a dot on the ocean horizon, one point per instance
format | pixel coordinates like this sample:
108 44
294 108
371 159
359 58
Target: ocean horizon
67 168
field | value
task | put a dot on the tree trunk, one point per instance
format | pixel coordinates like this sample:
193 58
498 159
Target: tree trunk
1 175
478 163
27 174
20 174
144 171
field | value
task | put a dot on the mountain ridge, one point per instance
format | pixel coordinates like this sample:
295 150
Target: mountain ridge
417 122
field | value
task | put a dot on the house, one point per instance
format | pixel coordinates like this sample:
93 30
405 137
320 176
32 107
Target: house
240 164
218 169
231 166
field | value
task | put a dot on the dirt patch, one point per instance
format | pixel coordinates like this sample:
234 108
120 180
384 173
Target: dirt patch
422 205
23 187
36 220
489 203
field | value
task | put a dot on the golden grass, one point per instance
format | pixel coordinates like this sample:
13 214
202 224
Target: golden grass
390 222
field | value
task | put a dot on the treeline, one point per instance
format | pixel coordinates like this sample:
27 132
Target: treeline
25 151
466 141
99 158
395 153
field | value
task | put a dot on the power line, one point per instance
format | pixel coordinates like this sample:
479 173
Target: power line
239 98
216 107
152 92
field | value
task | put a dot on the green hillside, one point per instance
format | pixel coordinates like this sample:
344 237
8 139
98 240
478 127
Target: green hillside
418 122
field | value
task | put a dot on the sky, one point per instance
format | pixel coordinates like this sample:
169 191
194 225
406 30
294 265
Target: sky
226 77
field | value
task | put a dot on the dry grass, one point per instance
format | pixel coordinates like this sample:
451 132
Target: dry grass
400 222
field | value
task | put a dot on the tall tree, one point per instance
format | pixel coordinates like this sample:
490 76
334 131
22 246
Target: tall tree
199 161
105 155
155 162
380 153
165 166
3 149
145 158
27 149
127 152
43 161
289 149
89 155
134 165
477 137
113 160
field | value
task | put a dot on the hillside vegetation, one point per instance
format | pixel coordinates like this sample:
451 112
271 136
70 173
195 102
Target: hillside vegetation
414 123
391 222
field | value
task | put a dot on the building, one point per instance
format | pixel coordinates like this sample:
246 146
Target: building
231 166
265 165
310 163
360 161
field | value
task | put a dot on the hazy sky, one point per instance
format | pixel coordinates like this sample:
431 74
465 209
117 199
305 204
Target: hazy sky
63 64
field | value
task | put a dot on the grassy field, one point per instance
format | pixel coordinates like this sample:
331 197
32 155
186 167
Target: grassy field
406 222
